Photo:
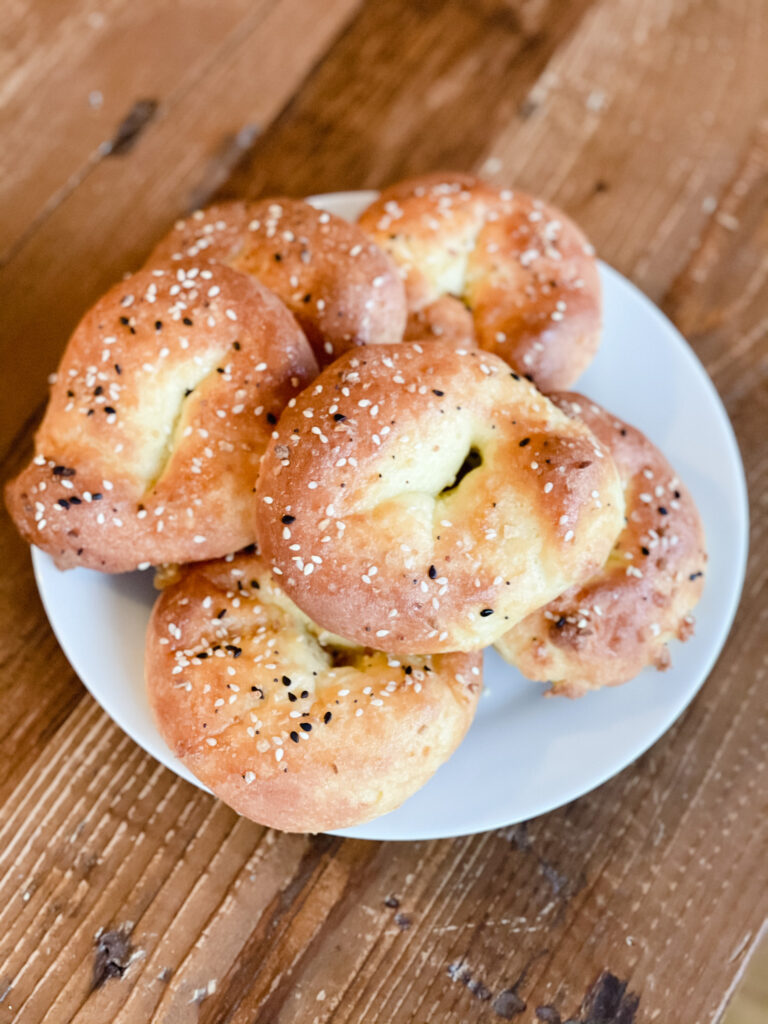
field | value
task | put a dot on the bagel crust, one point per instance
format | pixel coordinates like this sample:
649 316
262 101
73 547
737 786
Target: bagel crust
425 498
603 632
341 287
523 270
162 406
290 726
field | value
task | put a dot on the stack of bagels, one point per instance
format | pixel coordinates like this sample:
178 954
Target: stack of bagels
351 453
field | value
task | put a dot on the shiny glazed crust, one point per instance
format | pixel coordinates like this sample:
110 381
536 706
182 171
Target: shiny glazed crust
341 287
523 270
603 632
292 727
163 403
424 498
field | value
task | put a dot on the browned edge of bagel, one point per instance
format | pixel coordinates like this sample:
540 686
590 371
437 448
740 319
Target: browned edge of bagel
424 498
342 288
291 726
497 265
606 629
164 400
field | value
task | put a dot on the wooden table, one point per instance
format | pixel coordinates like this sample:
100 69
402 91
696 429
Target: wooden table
125 894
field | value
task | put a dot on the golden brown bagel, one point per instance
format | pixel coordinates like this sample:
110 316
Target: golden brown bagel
604 631
164 401
421 497
523 270
290 726
446 319
340 286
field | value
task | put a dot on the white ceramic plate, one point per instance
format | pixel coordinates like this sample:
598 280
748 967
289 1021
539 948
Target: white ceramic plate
524 755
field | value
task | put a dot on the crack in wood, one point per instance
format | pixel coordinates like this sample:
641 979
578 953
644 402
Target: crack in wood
125 137
268 932
224 162
460 971
130 128
508 1003
563 886
113 955
606 1002
547 1014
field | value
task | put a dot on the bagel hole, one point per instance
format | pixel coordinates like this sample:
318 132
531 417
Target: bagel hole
166 404
346 657
472 460
342 657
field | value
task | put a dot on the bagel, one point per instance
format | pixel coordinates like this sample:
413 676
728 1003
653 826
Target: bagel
446 319
425 498
604 631
292 727
340 286
522 268
162 406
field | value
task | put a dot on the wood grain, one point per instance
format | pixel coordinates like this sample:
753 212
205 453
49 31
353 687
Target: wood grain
106 225
72 74
128 896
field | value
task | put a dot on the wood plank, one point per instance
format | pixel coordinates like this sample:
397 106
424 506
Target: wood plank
409 88
558 879
629 125
632 128
72 72
107 224
37 687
